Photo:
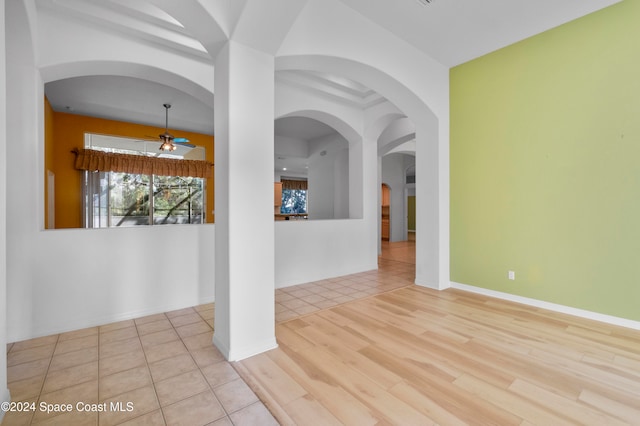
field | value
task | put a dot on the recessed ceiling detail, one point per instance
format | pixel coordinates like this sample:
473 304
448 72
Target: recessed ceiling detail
138 19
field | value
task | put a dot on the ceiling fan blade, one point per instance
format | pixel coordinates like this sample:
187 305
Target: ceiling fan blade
183 142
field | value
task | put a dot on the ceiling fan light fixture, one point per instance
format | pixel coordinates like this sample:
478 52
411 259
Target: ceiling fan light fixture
167 138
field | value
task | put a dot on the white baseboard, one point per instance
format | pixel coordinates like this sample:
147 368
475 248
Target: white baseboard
323 275
424 282
218 343
608 319
243 353
81 323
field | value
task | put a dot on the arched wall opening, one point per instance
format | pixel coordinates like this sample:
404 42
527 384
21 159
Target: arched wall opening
346 165
199 90
139 91
432 265
48 300
307 251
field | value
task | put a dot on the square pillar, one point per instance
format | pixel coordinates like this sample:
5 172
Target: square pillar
4 392
244 173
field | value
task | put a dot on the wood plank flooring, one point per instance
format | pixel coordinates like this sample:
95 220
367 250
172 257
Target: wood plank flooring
415 356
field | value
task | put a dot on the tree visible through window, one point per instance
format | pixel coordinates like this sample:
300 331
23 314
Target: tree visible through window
294 201
124 199
139 197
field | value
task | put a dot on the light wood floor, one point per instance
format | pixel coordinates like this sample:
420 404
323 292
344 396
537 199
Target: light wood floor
414 356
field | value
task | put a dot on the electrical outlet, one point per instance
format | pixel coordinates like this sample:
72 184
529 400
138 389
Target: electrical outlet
512 275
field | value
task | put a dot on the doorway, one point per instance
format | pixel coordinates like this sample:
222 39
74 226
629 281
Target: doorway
411 217
384 220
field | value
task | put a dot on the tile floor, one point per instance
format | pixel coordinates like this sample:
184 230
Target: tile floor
165 364
292 302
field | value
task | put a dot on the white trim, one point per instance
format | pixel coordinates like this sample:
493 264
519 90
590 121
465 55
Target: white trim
239 355
344 272
608 319
80 323
224 350
421 281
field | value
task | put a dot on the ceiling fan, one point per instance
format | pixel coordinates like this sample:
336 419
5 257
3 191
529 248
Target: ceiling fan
167 139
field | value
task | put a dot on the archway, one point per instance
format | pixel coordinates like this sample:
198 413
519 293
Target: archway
432 266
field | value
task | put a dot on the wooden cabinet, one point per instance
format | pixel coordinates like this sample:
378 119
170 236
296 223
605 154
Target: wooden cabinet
385 230
277 194
386 199
277 200
384 220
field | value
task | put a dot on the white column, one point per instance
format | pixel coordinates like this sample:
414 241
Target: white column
4 392
244 163
370 202
428 235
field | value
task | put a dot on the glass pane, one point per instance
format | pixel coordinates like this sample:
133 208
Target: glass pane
97 199
294 201
177 200
128 199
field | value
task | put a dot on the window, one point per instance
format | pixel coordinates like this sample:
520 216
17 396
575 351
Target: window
294 201
123 199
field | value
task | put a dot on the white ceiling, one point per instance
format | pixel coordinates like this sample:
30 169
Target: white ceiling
131 100
456 31
451 31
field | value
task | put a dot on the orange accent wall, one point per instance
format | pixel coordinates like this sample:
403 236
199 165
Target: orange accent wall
68 133
48 155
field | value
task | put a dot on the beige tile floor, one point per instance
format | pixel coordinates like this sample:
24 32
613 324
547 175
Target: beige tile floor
165 364
292 302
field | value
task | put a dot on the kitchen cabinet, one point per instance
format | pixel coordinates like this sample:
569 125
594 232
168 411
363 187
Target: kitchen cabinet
277 194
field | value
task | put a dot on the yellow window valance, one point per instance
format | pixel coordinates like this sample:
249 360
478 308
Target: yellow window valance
294 184
93 160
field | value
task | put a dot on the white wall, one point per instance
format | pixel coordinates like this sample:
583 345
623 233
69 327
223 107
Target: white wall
291 147
312 250
328 196
320 189
341 185
72 279
4 392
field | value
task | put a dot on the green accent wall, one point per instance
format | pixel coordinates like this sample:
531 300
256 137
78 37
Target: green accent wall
545 165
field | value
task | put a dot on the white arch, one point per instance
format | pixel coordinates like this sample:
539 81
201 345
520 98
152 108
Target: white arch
397 133
432 185
388 86
331 120
60 71
379 121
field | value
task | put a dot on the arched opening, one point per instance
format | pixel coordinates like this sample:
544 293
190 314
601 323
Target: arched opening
133 111
312 165
431 182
